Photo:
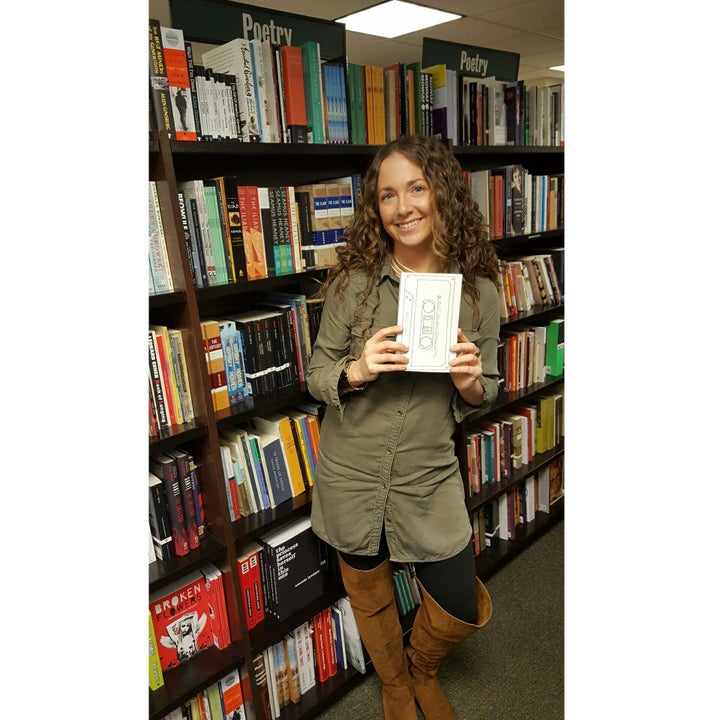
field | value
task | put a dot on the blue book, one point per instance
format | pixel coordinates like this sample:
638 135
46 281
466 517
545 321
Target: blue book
275 467
256 453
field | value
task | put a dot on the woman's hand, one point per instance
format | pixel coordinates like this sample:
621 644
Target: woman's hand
379 355
466 369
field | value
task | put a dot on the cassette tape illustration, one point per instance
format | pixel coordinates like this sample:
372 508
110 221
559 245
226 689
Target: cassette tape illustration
429 311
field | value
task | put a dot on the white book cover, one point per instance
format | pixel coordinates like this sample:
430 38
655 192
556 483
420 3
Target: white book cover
353 643
429 311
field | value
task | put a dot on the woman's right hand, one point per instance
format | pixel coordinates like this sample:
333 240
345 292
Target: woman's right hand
380 354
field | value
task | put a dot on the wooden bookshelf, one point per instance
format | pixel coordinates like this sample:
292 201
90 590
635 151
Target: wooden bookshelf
286 164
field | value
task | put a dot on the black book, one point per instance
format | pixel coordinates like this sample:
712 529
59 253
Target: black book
159 519
292 558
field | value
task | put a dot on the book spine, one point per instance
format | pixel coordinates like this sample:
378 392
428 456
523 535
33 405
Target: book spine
159 91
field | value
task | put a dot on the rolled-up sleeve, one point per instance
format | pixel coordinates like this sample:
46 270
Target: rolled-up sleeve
330 352
487 337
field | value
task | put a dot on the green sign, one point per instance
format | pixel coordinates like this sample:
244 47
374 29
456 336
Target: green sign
219 21
471 60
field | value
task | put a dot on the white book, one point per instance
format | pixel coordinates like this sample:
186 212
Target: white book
429 311
353 643
530 499
234 58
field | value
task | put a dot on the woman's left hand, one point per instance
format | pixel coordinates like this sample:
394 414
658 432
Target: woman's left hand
466 366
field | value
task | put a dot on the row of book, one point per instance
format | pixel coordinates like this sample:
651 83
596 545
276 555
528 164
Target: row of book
189 616
495 447
311 653
531 282
169 396
515 202
499 518
270 459
234 231
159 274
264 348
229 698
528 355
253 90
176 513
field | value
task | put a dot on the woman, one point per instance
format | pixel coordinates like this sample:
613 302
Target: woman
388 484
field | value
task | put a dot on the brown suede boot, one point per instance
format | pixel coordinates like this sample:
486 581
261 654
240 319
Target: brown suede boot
372 599
434 634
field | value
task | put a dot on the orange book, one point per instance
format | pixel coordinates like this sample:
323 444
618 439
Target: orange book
293 84
178 76
379 104
253 241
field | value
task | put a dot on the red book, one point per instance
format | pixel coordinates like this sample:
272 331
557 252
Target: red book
328 625
181 620
498 206
319 644
294 92
246 588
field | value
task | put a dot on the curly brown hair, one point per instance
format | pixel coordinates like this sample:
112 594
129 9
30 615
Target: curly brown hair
460 232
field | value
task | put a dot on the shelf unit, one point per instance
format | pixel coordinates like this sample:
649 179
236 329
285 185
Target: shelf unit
171 163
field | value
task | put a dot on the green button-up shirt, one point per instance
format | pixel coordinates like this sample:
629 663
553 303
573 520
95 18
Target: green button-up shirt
387 453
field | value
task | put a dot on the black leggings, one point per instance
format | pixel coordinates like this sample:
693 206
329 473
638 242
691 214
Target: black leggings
451 582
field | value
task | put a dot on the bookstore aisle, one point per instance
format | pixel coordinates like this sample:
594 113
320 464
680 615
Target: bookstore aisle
518 657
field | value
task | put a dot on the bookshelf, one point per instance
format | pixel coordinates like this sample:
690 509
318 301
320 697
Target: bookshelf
170 163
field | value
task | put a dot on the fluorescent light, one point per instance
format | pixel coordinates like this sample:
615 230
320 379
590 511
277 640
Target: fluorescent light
390 19
559 68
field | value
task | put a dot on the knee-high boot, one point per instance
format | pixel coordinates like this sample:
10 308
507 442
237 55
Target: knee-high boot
372 599
434 634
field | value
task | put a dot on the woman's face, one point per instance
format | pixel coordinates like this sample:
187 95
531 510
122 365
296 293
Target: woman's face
405 203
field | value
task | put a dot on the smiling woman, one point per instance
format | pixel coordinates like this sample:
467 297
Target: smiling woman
388 484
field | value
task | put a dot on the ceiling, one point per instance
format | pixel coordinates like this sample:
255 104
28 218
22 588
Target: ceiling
533 28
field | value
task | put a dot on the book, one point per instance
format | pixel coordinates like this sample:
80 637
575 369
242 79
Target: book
234 57
160 100
272 457
269 657
319 639
248 702
197 495
293 85
227 187
280 669
179 362
252 228
555 347
160 274
215 701
181 620
353 642
161 343
155 669
194 194
157 386
165 468
293 562
339 638
281 426
293 673
220 249
259 670
215 363
314 95
555 480
159 518
231 695
186 493
217 605
273 130
178 76
231 491
429 311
